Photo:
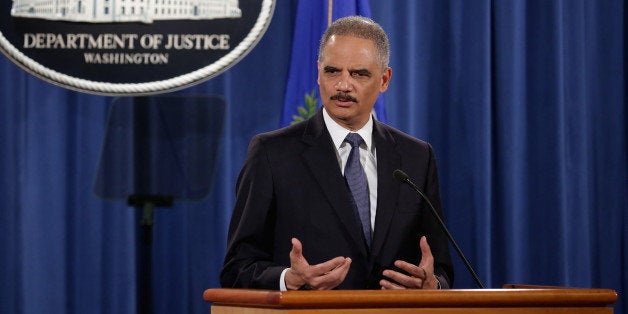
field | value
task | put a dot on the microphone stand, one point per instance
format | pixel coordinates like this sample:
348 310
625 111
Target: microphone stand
403 177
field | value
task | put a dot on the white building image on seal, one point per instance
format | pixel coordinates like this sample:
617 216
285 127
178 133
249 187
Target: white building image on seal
117 11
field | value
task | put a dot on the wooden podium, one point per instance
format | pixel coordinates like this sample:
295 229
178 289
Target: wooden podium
511 299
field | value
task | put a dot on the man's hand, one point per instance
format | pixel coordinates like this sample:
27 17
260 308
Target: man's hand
417 276
323 276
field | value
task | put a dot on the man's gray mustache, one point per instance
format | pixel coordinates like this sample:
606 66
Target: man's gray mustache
343 97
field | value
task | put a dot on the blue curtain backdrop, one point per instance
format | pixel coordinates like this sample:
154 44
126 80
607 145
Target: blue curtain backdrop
524 102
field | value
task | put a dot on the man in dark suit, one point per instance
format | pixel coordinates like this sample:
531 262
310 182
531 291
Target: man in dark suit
314 211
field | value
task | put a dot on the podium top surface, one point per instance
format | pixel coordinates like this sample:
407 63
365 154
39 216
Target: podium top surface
546 297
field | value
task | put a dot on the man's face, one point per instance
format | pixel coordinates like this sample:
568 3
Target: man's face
350 80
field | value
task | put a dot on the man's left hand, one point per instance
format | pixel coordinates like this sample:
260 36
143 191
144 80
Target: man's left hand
416 276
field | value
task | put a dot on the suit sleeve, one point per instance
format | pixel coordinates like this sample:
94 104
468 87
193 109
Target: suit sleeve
249 258
437 239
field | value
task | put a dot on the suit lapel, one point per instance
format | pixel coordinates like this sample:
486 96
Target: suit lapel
388 159
321 159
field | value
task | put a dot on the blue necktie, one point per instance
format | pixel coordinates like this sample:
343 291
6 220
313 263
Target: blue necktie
356 179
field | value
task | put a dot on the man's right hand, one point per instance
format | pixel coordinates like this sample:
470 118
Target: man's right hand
323 276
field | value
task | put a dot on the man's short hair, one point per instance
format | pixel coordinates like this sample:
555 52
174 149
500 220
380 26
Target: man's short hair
361 27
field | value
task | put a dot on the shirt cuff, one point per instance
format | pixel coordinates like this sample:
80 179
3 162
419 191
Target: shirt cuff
282 280
442 283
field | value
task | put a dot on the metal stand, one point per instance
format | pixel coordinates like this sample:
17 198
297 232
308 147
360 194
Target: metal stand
147 203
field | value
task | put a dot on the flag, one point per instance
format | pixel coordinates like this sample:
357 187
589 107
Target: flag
302 95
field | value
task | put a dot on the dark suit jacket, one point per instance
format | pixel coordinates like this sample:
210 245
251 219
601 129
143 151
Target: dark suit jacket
291 186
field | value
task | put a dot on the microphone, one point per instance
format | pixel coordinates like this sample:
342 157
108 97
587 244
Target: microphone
403 178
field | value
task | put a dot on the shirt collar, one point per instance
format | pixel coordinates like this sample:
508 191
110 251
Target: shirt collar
338 133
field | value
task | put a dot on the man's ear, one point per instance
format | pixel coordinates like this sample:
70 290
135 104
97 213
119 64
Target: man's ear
318 73
386 76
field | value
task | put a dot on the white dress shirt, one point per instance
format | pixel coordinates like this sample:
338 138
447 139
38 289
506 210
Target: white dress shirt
367 155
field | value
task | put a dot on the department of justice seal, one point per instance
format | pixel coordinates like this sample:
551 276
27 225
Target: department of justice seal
130 47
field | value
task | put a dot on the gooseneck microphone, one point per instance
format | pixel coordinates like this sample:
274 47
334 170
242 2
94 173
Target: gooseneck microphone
403 177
